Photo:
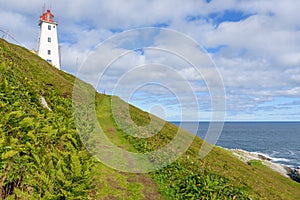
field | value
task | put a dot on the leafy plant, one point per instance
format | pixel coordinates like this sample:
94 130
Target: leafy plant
41 153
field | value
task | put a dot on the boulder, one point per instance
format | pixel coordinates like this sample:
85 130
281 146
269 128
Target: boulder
297 173
262 157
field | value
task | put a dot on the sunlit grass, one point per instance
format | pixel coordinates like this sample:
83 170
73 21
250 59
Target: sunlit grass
220 175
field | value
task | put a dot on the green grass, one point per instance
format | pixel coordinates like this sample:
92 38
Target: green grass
42 156
255 163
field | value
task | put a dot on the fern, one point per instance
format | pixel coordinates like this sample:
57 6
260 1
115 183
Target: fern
40 151
75 165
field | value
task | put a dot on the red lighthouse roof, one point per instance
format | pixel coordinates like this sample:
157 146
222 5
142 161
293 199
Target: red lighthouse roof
47 17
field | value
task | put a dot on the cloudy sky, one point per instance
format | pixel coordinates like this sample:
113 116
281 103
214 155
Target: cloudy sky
254 46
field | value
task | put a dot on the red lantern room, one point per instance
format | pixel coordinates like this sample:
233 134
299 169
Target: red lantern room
47 17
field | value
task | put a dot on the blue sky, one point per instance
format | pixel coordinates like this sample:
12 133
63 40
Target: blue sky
255 46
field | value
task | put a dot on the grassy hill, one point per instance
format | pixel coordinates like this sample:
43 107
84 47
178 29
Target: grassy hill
43 157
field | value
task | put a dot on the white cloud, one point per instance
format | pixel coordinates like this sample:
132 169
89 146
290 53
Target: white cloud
259 62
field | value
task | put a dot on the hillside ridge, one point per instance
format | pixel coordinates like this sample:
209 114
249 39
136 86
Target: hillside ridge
43 155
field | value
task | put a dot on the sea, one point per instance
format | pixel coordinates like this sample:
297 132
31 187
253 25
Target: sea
279 141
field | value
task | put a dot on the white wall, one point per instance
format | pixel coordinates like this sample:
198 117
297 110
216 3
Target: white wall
45 45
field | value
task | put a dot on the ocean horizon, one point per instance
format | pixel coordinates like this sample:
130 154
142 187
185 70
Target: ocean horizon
277 140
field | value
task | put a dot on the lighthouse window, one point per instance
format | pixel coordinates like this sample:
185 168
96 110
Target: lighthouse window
49 39
49 52
49 27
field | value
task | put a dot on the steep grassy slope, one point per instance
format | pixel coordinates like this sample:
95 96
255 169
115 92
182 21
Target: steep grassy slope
42 155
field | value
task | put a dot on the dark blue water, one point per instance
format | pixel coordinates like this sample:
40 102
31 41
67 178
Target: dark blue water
278 140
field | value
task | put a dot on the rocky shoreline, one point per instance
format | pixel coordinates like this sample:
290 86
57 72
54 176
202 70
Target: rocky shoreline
246 157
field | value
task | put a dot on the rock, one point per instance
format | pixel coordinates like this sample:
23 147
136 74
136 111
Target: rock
262 157
44 103
297 173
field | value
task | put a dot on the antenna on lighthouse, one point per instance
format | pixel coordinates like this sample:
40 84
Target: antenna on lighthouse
44 8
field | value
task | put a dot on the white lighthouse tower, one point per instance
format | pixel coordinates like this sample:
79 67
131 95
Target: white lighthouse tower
48 42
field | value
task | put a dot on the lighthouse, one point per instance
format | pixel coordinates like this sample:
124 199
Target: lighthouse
48 43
